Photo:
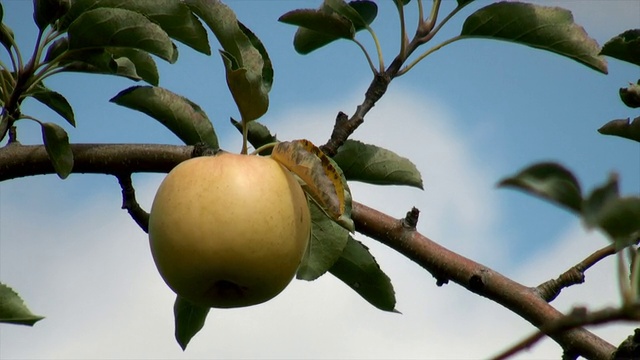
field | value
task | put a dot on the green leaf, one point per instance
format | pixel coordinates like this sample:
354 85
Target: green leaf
402 2
350 11
625 47
144 66
56 142
462 3
108 27
549 181
257 134
248 67
6 37
250 96
375 165
630 96
57 103
326 245
174 17
189 319
623 128
542 27
357 268
180 115
599 198
13 310
321 21
46 12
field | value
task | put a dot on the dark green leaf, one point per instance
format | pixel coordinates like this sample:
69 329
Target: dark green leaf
543 27
46 12
327 242
180 115
375 165
257 134
599 198
6 36
368 10
174 17
630 96
549 181
357 268
625 47
402 2
462 3
623 128
57 103
620 219
189 319
107 27
144 66
56 49
13 310
319 27
56 142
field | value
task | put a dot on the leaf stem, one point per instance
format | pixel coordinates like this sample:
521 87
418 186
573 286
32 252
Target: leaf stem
245 135
378 49
427 53
263 148
403 29
366 54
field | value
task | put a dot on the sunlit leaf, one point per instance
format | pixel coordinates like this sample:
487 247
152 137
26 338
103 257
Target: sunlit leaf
549 181
57 103
625 47
357 268
56 143
250 96
267 66
623 128
13 310
375 165
326 245
109 27
257 134
189 320
180 115
322 180
174 17
365 10
543 27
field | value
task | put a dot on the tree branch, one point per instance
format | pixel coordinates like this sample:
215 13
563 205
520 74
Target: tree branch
130 203
18 161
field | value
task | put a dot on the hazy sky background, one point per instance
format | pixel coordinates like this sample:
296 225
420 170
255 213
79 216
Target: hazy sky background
468 115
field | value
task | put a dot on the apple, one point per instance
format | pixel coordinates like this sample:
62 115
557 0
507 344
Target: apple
229 230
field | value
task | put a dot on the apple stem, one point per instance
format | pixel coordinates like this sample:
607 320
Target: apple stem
245 131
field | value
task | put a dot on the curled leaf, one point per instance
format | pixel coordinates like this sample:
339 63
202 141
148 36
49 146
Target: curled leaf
311 165
625 47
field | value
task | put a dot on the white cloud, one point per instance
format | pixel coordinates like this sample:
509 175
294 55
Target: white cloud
94 279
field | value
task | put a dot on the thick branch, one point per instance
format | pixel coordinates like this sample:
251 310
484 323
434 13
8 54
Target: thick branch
18 161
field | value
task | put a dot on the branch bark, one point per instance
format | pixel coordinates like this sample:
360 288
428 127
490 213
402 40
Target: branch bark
18 160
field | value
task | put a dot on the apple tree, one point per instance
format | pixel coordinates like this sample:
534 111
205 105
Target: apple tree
305 222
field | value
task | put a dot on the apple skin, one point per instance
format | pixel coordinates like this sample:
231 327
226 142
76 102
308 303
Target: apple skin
229 230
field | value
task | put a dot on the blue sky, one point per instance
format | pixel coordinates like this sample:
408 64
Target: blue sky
468 115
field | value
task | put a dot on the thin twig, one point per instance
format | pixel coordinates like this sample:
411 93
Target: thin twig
130 203
550 289
578 317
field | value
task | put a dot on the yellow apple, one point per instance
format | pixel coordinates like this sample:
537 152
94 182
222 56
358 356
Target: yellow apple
229 230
